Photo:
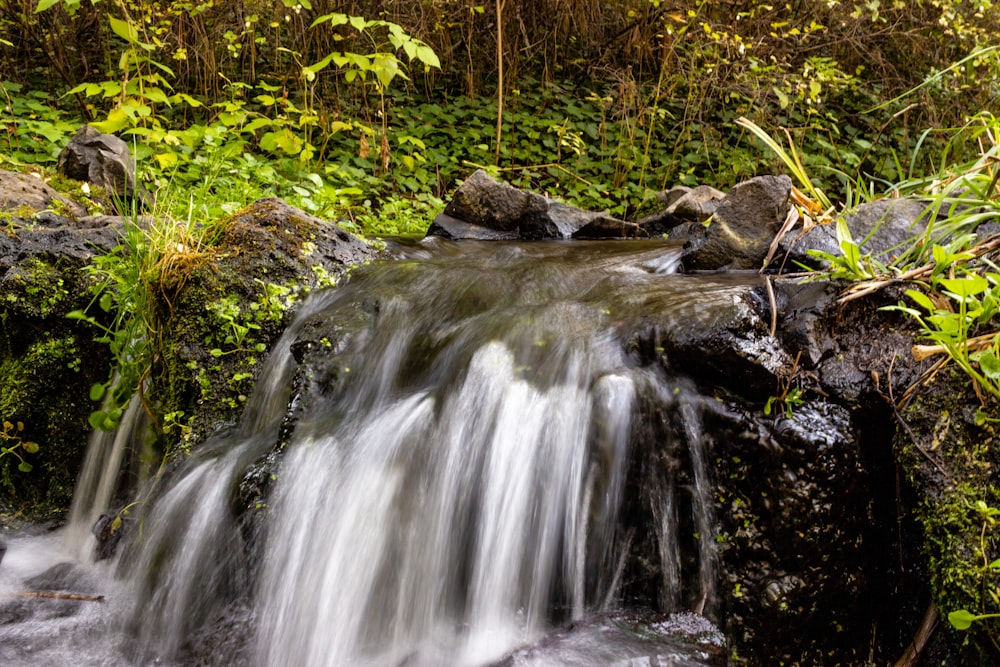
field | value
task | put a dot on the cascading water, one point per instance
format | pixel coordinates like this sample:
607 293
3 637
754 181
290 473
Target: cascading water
451 439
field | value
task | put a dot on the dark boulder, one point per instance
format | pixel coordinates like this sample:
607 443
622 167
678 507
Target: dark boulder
104 160
740 231
47 361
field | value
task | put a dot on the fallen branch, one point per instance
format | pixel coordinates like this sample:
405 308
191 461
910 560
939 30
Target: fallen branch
921 352
58 596
919 642
859 290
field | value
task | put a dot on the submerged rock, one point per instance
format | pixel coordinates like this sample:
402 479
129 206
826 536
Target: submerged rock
679 640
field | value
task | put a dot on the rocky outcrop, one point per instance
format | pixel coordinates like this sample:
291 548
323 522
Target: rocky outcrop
220 310
679 205
24 196
47 362
483 208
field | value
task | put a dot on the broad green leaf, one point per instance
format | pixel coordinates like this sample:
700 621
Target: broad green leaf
124 30
359 23
940 255
256 124
24 466
961 619
334 19
116 121
156 95
96 392
166 160
338 125
44 4
321 65
426 55
30 447
965 287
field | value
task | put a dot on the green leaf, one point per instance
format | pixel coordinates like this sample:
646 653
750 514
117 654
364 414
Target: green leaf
961 619
106 302
426 55
24 466
97 392
989 364
334 19
44 4
30 447
965 287
922 300
124 30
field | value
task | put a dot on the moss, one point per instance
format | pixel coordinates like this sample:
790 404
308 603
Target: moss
35 288
951 462
32 392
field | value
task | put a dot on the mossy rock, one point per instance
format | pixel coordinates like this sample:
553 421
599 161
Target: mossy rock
949 454
221 324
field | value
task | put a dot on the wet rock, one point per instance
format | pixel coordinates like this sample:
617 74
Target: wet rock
742 227
681 204
104 160
485 202
108 531
47 361
880 228
725 339
485 209
794 510
30 194
856 352
453 229
679 639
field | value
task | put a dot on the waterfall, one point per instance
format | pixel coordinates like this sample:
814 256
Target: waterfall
453 442
106 457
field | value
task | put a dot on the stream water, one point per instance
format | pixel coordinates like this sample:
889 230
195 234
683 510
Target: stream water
458 484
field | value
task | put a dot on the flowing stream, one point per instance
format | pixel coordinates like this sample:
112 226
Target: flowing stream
462 479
